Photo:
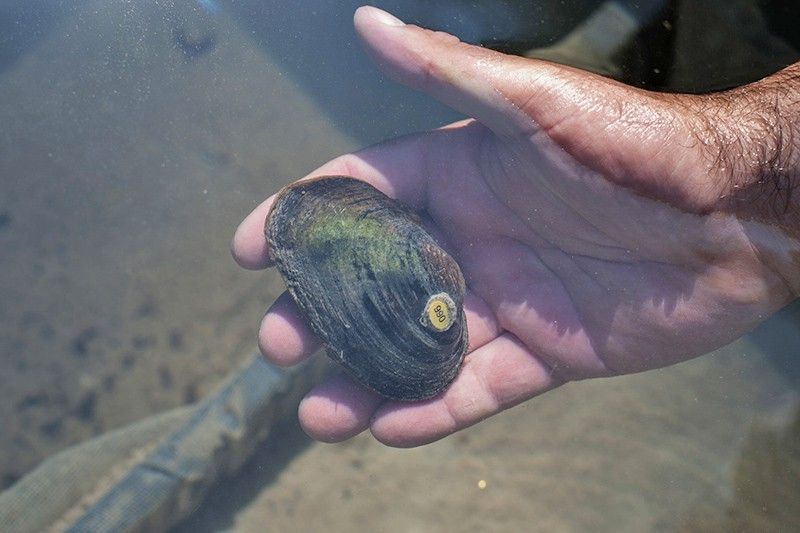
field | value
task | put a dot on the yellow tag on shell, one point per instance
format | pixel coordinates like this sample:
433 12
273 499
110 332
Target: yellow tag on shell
439 312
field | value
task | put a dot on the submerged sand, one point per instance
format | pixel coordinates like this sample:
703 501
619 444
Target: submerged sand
126 162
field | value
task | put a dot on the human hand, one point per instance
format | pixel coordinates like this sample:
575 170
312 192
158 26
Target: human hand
601 229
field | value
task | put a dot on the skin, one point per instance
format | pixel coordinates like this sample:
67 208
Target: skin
602 229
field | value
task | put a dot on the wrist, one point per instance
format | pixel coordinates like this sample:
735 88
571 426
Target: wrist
752 139
756 149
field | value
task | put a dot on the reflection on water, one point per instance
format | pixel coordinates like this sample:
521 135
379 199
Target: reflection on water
135 136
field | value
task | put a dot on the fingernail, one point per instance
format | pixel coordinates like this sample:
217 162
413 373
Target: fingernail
385 18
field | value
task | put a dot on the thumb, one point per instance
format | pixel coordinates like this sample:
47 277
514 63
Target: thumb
614 129
509 94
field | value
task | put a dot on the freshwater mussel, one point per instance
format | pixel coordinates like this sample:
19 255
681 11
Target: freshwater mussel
385 298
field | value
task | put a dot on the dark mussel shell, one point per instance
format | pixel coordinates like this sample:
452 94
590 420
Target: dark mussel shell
373 283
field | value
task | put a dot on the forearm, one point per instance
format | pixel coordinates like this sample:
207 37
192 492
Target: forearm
750 137
762 155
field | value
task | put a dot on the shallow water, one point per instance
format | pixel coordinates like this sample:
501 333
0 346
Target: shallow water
134 138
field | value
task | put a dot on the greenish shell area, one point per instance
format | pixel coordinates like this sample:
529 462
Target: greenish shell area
377 242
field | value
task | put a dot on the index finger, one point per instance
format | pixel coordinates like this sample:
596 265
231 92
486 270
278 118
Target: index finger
398 168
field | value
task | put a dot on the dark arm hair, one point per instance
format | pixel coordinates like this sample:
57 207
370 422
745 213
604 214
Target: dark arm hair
755 133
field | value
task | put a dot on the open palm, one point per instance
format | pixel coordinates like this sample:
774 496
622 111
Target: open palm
582 213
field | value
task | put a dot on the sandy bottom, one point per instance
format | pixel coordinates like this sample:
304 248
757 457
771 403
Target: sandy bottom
126 166
129 152
702 446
